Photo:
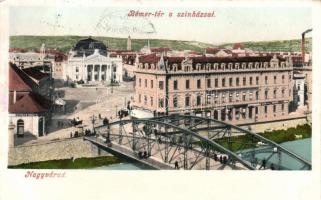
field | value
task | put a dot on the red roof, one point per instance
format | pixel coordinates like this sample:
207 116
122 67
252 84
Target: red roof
159 49
34 73
212 50
238 46
18 80
17 50
27 103
152 58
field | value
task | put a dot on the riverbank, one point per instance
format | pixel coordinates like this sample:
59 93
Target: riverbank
279 136
79 163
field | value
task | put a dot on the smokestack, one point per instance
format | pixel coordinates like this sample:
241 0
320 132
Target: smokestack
302 48
302 44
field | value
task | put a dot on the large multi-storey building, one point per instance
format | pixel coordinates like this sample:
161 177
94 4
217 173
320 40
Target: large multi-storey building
234 89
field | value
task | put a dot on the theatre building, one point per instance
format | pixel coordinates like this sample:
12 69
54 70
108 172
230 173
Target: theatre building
28 110
89 61
238 90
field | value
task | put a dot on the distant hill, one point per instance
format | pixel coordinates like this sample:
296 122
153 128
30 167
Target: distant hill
277 45
65 43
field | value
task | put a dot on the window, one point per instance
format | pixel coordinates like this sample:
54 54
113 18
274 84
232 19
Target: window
257 95
266 80
257 80
216 82
251 80
161 102
266 94
283 92
175 102
231 82
161 85
20 127
151 83
237 81
250 112
139 98
282 107
209 85
145 82
244 96
187 84
256 110
250 96
289 76
77 77
237 96
230 97
198 100
145 99
274 94
282 78
274 79
187 101
223 82
140 82
199 83
274 108
77 69
265 109
175 84
151 101
244 81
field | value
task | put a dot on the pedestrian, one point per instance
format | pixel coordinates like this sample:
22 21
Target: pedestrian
272 167
70 134
176 165
264 163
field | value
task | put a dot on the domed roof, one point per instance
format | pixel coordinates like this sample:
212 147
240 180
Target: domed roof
88 46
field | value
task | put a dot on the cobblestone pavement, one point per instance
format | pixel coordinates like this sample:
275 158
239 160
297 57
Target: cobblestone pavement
89 101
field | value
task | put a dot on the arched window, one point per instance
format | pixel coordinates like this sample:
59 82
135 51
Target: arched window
20 127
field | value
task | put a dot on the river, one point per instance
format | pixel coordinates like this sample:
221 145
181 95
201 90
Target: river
299 147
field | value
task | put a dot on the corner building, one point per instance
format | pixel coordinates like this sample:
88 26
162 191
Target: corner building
238 90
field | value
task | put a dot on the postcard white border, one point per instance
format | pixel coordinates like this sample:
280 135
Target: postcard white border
205 185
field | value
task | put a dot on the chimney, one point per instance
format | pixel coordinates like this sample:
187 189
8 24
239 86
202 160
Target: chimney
14 96
302 48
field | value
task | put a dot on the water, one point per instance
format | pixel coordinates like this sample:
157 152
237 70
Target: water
123 166
299 147
119 166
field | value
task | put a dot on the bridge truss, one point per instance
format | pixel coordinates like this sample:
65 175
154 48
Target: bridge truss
191 142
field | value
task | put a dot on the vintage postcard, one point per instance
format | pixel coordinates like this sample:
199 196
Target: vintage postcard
103 87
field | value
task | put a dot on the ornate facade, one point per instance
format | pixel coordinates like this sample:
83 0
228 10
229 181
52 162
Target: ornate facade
235 89
90 61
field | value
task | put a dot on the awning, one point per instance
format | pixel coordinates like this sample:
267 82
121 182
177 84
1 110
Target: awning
60 102
139 114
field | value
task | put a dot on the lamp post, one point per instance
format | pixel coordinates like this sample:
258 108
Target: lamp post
93 120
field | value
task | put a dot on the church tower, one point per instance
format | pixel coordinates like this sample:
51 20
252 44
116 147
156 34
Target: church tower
129 43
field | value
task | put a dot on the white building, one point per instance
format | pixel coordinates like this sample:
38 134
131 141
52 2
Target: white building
27 109
90 61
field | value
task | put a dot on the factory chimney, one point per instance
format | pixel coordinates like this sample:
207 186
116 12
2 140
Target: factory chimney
302 45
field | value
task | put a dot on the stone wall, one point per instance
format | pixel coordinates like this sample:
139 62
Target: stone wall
276 125
54 150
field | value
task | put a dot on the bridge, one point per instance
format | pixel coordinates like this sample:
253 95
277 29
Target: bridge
191 142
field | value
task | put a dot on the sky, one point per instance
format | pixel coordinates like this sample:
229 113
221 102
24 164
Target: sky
230 24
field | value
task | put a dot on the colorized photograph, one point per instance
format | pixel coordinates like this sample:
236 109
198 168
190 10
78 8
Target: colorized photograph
160 88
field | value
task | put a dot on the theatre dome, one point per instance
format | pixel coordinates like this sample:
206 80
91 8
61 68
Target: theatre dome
88 46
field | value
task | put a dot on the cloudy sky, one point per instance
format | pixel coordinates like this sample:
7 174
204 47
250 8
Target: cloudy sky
230 24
